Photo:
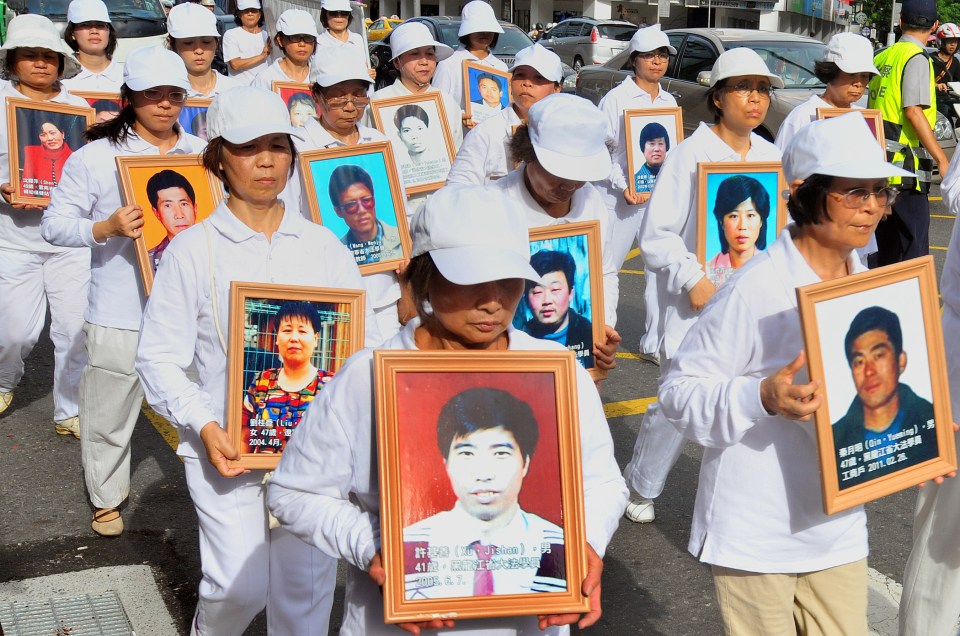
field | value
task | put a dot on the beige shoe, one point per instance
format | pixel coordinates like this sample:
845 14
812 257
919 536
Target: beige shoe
6 397
107 522
69 426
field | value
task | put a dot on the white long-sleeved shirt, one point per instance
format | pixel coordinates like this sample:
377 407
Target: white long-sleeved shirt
325 489
20 229
89 191
450 105
586 205
668 231
179 330
222 84
109 80
759 505
485 155
241 44
950 285
449 75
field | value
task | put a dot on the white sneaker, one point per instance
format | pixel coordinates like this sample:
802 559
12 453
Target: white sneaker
6 397
640 510
69 426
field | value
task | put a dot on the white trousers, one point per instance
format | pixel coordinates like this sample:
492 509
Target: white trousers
657 449
28 281
246 566
110 401
930 602
650 340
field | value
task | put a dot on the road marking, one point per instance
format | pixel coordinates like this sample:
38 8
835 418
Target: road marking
934 198
635 252
937 247
166 430
942 216
632 271
627 407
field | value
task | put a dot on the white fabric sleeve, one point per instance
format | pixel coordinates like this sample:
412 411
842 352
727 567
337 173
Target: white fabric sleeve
611 275
610 106
231 47
454 119
469 165
67 220
449 79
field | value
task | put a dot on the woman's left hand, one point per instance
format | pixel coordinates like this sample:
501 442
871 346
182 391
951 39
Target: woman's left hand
220 450
590 588
6 190
605 353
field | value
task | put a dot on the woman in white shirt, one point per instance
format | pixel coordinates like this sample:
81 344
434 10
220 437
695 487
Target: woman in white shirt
739 97
86 211
325 488
297 39
336 16
192 34
93 39
247 49
32 271
249 237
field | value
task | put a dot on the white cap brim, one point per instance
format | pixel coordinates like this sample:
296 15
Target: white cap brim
481 264
866 169
589 168
848 67
248 133
442 50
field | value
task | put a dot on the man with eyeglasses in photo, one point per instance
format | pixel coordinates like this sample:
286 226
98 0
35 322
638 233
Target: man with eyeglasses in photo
370 239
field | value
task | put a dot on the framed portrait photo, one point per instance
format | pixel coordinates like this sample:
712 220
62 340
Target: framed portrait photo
874 342
175 192
568 259
106 105
486 90
193 116
355 192
41 136
871 115
417 126
286 343
739 213
429 443
299 101
649 134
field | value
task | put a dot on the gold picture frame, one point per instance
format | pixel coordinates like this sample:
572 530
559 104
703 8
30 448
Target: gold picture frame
873 116
287 92
635 120
473 72
108 102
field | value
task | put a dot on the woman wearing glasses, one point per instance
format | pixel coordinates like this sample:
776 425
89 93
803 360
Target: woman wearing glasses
86 211
297 38
93 39
192 34
739 97
336 16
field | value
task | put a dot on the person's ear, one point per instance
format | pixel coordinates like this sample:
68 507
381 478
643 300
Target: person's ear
902 361
526 465
794 186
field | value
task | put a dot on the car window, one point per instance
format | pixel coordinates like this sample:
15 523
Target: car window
619 32
792 61
448 34
511 41
697 56
376 25
584 29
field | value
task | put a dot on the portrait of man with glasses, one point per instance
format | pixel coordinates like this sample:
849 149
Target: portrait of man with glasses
369 238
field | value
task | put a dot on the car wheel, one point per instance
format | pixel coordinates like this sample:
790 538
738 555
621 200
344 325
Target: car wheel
577 64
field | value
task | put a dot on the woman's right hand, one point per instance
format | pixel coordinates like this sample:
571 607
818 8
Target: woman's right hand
780 396
701 293
126 221
468 121
379 576
220 450
6 191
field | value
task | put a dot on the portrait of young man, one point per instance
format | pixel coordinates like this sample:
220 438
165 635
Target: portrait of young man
174 203
654 144
888 427
491 94
370 239
486 544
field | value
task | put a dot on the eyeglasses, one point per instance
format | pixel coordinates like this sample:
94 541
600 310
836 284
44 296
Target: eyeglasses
339 14
300 37
341 102
654 55
745 89
857 197
158 94
98 26
353 206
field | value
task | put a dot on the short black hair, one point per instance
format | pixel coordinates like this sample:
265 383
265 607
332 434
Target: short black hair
105 105
732 192
345 176
239 22
71 39
521 148
484 408
325 15
808 204
546 261
168 179
653 130
825 71
300 98
714 93
489 76
410 110
870 319
298 309
465 40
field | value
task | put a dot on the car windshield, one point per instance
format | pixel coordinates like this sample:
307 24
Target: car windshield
511 41
619 32
57 9
793 61
448 34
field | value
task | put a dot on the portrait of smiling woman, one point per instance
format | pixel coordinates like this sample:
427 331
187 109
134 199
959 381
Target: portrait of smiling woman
43 163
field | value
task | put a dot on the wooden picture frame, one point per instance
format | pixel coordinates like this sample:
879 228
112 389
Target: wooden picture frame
373 162
288 92
872 115
102 103
635 122
35 169
193 116
473 101
847 325
430 573
258 414
581 244
719 256
417 127
139 176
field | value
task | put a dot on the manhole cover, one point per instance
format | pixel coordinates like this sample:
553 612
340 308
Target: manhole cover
88 615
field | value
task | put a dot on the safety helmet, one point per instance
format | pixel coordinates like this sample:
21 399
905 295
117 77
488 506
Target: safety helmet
947 31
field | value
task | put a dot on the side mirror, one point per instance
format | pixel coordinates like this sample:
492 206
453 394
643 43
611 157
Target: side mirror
703 78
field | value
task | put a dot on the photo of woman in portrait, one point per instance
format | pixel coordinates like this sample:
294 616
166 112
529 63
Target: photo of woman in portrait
302 108
277 398
741 209
43 163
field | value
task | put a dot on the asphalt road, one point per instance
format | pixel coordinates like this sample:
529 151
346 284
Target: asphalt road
651 585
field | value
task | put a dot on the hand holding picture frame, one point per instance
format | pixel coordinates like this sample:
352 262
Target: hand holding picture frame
739 213
41 136
434 553
355 192
299 101
175 192
486 91
649 133
298 335
569 259
872 115
417 127
874 342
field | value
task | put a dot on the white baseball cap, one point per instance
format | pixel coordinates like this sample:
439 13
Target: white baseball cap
243 5
841 146
30 30
852 53
297 22
340 64
478 17
474 235
413 35
649 39
739 62
229 115
541 59
569 134
152 66
336 5
81 11
189 20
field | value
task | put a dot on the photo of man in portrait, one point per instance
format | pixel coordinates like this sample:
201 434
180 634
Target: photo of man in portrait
174 203
427 163
888 427
487 544
43 163
549 303
489 102
654 144
369 238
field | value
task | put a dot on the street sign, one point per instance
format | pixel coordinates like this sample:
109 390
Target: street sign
860 18
865 31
